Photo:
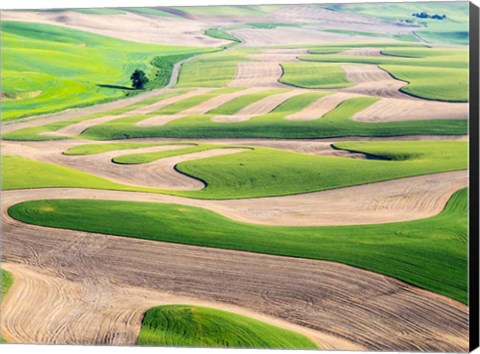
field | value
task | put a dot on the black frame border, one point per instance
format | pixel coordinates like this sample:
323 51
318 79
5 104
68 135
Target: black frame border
474 180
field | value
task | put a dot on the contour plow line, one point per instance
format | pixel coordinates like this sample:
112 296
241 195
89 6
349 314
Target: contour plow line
261 107
257 74
371 80
278 55
365 52
393 109
201 108
397 200
348 308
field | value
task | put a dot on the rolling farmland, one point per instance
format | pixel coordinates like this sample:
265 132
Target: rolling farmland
282 181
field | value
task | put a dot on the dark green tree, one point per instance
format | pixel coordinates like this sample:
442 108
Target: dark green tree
139 79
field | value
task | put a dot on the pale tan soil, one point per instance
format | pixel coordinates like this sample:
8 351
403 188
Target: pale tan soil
113 318
348 307
367 52
18 96
255 74
159 174
317 109
382 202
372 81
201 108
261 107
279 36
391 109
397 200
278 55
130 26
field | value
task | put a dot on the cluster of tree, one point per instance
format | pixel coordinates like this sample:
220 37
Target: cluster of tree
426 15
139 79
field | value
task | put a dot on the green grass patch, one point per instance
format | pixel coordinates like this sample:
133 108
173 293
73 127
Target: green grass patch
447 84
337 123
431 73
261 171
7 281
194 326
451 30
400 37
233 106
270 172
314 75
71 68
214 69
221 34
22 173
430 253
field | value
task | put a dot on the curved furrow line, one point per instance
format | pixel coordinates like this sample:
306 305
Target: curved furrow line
397 200
341 303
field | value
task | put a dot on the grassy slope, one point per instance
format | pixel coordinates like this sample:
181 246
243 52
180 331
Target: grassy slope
263 171
269 172
7 281
193 326
453 30
69 66
430 253
400 37
440 74
336 123
314 75
212 70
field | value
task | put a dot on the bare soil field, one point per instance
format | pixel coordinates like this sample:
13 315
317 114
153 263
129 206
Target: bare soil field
128 26
366 52
347 307
370 80
258 108
255 74
320 107
278 55
392 109
282 36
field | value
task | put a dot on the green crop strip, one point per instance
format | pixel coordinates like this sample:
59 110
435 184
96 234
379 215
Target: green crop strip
430 253
336 123
194 326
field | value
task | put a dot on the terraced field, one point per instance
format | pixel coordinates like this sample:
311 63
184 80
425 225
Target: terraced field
285 182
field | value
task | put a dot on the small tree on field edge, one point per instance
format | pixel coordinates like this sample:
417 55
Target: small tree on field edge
139 79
